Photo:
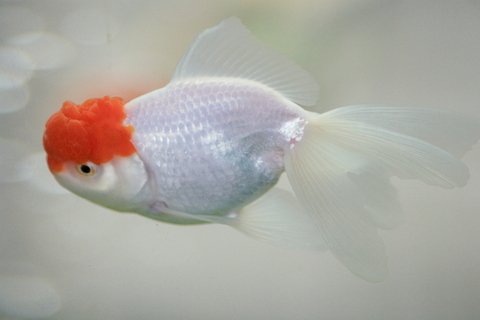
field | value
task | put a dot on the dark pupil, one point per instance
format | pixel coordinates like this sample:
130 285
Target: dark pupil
85 169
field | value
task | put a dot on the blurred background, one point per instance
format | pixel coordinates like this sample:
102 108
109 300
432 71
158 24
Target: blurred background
64 258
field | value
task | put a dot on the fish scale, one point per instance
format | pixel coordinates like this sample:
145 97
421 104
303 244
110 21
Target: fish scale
196 139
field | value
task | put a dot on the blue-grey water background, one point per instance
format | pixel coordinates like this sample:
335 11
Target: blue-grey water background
64 258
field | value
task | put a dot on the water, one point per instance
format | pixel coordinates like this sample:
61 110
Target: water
64 258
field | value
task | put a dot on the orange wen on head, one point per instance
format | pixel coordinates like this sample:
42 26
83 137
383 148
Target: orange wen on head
93 131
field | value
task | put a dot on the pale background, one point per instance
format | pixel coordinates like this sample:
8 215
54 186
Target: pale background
64 258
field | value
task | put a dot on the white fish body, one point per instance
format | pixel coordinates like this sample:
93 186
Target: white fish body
211 145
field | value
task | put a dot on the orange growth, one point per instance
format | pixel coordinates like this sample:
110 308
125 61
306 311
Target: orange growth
92 131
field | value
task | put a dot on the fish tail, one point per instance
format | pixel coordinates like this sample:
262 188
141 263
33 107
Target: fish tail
340 172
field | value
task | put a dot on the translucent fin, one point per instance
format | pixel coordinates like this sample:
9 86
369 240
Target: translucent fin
229 50
380 199
340 172
277 218
449 131
322 185
398 154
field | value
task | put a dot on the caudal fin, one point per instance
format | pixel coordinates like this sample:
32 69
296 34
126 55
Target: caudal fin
340 172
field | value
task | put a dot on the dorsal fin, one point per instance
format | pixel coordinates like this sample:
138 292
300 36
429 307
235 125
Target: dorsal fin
229 50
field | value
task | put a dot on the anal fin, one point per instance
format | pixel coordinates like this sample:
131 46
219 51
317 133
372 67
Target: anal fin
278 218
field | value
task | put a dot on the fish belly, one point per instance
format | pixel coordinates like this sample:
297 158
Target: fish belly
211 146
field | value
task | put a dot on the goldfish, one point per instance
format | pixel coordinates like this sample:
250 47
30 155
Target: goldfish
211 146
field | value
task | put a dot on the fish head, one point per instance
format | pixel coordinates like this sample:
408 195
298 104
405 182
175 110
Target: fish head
90 152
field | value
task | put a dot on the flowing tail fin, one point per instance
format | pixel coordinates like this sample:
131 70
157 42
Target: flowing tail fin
340 172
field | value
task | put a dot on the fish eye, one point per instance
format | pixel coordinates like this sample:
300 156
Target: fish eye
86 169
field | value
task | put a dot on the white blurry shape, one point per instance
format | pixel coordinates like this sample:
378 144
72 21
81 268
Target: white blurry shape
17 20
41 178
47 51
28 297
90 27
16 67
14 163
14 99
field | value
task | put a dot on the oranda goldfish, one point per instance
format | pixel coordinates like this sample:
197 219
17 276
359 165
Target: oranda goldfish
210 146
